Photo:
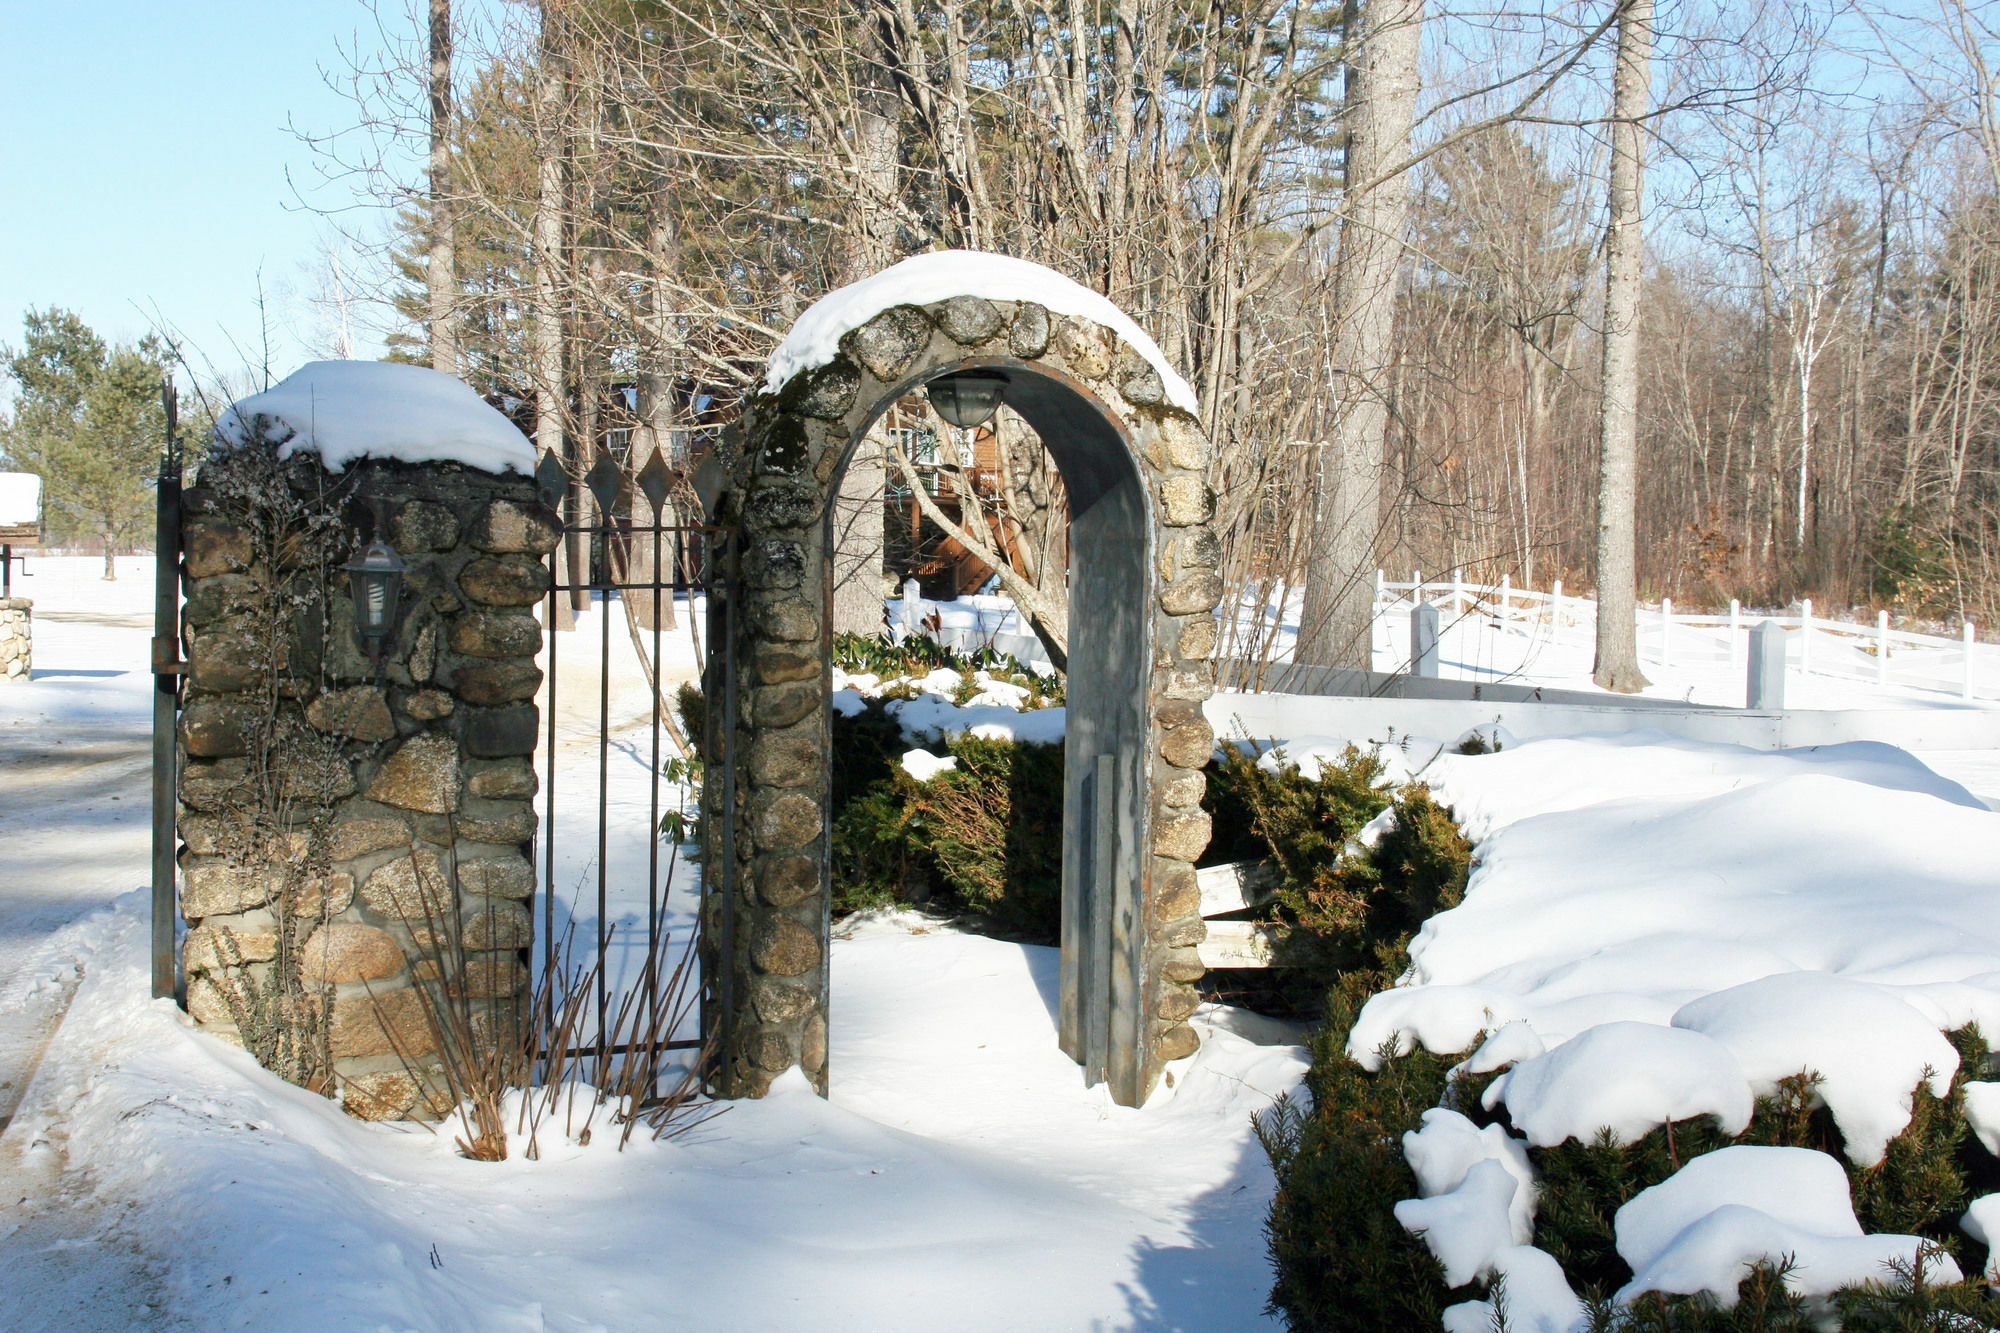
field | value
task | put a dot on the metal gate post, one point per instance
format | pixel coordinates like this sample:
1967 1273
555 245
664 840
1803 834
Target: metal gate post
167 671
718 861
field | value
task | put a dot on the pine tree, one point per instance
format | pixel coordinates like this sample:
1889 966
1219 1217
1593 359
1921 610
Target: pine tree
89 422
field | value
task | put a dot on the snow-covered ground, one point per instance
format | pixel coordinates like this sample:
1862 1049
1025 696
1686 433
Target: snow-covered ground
960 1177
1666 895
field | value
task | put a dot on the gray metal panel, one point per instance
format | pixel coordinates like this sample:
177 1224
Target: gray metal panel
1110 670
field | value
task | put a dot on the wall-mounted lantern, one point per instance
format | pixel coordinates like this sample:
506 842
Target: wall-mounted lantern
375 578
968 398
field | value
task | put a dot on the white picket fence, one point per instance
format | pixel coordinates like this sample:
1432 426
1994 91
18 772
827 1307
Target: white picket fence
1813 644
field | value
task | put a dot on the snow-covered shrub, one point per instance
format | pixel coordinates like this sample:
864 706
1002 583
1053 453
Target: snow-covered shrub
1341 1173
1344 1262
876 859
993 828
918 656
985 832
1341 1258
1357 904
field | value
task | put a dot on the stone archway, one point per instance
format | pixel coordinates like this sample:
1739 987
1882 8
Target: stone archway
1144 585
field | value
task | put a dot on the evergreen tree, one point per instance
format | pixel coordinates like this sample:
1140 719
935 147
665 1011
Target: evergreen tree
88 421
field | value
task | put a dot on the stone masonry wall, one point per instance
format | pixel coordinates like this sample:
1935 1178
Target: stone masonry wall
17 639
354 831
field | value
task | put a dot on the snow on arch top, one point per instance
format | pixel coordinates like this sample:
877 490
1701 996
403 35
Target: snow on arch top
379 409
939 276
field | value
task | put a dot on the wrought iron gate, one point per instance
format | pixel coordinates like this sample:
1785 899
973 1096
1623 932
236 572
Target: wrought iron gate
626 553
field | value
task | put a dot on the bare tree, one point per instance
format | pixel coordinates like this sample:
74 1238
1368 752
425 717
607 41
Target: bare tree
441 273
1382 99
1617 666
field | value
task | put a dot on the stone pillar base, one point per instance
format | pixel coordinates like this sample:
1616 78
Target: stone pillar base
17 640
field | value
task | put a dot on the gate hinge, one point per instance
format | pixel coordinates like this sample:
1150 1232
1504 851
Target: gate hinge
167 657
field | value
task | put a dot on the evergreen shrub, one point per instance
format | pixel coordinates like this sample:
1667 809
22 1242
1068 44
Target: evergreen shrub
985 835
1357 908
1343 1262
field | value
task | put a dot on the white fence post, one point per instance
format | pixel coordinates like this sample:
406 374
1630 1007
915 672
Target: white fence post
1967 635
1556 605
1881 647
1805 636
1379 588
1424 640
1735 632
1416 586
1457 593
1765 683
1666 631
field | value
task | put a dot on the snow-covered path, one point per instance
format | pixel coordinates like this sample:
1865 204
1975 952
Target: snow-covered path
75 817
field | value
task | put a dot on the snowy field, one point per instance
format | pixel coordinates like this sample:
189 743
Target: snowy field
1666 895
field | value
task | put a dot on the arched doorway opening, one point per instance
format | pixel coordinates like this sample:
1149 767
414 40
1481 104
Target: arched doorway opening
1143 588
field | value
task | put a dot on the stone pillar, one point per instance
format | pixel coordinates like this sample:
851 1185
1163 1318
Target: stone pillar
17 640
355 829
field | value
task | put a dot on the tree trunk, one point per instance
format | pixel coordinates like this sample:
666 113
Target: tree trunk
551 387
659 369
1381 96
1617 665
440 274
857 514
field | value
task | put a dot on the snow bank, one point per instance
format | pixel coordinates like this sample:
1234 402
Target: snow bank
1869 1048
379 409
1850 875
1705 1227
1536 1296
923 765
939 276
20 498
960 1152
1624 1077
1982 1223
1542 777
1448 1146
1405 761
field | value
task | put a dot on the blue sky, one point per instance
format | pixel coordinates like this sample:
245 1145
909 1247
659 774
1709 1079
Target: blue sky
144 158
